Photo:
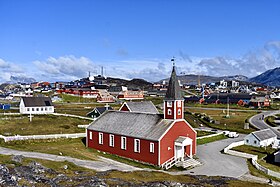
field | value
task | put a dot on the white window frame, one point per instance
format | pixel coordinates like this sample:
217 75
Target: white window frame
137 148
169 112
123 143
169 103
179 103
152 147
90 135
111 140
179 111
100 138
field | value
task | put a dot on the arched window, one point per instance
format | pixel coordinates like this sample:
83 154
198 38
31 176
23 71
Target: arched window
169 111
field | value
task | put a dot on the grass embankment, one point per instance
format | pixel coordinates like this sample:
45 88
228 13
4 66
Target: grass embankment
235 122
113 177
75 99
203 133
41 124
270 121
211 139
68 147
261 152
80 109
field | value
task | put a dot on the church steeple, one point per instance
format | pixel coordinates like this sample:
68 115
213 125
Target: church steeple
173 101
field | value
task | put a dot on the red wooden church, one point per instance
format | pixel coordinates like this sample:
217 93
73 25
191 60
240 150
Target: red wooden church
147 137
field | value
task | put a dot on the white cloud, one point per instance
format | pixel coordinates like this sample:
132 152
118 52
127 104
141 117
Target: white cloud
8 69
65 68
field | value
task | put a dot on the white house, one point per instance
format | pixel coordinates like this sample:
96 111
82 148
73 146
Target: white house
260 138
36 105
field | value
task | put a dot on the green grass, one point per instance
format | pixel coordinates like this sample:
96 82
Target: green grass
41 124
211 139
212 105
80 109
75 99
155 100
260 151
68 147
203 133
254 171
270 121
235 122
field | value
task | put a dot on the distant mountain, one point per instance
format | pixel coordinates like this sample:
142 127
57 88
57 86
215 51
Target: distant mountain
269 78
204 79
21 79
131 84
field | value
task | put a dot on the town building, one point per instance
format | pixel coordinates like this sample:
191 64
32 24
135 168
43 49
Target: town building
36 105
261 138
156 139
131 95
97 111
142 107
105 97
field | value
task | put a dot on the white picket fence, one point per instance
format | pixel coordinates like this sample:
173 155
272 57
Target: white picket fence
37 137
254 158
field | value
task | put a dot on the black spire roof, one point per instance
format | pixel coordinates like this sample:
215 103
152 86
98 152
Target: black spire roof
173 90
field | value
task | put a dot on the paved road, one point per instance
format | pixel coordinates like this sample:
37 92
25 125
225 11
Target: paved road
216 163
103 164
258 122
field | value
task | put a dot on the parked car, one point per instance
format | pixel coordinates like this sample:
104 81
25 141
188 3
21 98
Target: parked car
233 134
226 133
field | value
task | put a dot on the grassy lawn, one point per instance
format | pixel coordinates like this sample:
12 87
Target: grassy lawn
203 133
68 147
270 121
80 109
212 105
155 100
210 139
261 152
75 99
235 122
41 124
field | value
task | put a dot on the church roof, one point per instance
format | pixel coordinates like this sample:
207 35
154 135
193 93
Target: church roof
137 125
37 101
173 90
143 107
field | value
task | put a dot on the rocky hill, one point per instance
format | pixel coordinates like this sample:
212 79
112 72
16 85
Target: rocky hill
131 84
269 78
193 79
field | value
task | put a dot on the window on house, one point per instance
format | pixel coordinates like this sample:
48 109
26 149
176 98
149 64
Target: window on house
111 140
37 109
179 112
123 142
100 139
42 109
46 109
247 141
137 145
179 103
33 109
152 147
90 135
169 111
28 109
50 109
169 104
255 141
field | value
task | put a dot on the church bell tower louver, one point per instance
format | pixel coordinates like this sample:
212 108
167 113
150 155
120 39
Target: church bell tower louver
173 101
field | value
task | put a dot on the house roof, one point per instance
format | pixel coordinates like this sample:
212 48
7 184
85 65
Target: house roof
143 107
138 125
101 110
173 91
264 134
37 101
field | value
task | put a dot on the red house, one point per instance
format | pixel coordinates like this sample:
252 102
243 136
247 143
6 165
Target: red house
158 139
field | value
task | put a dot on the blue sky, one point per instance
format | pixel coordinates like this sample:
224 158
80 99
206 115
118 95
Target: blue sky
63 40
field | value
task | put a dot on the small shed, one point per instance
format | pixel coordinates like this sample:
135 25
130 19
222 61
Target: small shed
97 111
260 138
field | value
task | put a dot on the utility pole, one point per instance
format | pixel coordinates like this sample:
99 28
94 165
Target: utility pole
227 107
